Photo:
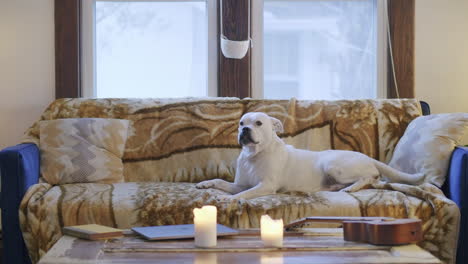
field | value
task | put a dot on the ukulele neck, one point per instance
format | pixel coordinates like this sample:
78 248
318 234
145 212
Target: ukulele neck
334 219
340 219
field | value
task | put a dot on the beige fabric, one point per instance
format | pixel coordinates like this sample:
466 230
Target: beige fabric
171 141
82 150
190 140
45 209
427 145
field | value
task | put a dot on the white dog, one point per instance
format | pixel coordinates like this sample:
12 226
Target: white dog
266 165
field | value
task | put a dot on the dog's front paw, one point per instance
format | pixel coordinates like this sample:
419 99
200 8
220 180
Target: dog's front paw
206 184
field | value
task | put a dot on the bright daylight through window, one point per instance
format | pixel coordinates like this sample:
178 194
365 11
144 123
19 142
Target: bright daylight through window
320 49
308 49
151 49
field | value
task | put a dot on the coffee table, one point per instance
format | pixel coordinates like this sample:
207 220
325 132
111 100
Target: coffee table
313 245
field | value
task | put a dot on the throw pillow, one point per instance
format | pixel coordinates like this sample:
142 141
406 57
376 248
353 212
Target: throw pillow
427 145
81 150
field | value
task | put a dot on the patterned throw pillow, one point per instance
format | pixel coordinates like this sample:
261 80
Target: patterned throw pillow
427 145
80 150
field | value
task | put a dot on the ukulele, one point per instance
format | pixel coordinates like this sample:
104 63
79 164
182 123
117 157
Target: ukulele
373 230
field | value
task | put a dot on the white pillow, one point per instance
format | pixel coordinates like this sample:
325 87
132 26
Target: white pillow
427 145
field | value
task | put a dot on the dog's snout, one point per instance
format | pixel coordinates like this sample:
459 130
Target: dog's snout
245 129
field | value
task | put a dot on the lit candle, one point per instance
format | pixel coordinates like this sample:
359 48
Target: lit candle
205 226
271 231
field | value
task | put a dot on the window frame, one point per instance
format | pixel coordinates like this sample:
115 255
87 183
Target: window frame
67 17
233 75
88 47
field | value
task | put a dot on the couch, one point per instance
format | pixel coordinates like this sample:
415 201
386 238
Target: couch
175 143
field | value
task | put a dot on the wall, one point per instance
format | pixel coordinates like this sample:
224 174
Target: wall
26 65
441 66
441 71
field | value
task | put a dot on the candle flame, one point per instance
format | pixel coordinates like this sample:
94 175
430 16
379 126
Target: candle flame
269 225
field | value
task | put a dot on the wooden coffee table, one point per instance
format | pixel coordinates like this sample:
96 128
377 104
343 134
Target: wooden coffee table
313 246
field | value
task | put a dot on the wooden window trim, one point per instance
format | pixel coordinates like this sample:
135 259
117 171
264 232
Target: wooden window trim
234 75
401 18
67 15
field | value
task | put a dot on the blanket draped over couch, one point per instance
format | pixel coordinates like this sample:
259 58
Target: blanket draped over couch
175 143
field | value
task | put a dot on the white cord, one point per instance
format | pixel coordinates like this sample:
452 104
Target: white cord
391 50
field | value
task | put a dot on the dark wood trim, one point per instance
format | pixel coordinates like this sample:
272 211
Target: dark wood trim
401 17
67 48
234 74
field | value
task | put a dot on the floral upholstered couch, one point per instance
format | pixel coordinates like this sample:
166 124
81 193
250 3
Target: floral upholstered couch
173 144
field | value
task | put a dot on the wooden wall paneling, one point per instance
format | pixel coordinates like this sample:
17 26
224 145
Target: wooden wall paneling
67 48
401 18
235 74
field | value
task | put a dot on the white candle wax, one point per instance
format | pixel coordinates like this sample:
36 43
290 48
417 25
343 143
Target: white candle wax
271 231
205 226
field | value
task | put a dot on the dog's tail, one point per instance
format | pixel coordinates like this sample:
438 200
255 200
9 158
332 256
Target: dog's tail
394 175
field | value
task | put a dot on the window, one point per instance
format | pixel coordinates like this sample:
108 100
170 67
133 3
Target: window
308 49
149 48
316 49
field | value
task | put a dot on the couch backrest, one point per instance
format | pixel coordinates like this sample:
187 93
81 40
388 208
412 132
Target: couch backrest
196 139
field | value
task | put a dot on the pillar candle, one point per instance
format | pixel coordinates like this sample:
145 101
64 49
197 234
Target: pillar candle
271 231
205 226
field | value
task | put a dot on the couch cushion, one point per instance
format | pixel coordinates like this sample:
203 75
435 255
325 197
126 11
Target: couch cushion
190 140
45 209
79 150
427 145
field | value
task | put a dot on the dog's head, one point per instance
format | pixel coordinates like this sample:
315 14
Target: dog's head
258 129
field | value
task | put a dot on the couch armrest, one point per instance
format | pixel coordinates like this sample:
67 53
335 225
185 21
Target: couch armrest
19 169
456 189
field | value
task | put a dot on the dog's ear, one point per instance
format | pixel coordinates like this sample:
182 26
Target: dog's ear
277 125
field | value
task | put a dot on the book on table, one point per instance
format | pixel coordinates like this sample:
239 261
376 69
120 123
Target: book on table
92 231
